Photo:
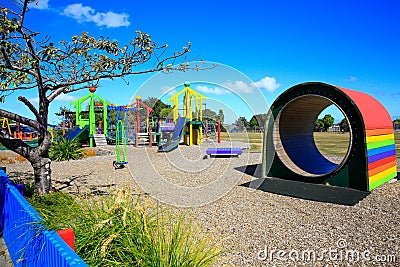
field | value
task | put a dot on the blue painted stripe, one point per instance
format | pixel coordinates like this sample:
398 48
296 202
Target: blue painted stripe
383 155
380 150
224 151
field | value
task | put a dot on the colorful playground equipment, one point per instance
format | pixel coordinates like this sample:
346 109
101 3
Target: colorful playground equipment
147 133
5 124
86 128
224 151
192 112
174 140
122 113
120 139
290 152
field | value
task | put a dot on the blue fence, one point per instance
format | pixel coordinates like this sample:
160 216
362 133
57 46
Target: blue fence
28 242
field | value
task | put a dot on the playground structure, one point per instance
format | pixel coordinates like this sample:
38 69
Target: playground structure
192 112
147 134
190 125
290 152
5 124
87 126
85 129
18 131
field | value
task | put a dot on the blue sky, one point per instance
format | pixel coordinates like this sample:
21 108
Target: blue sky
275 44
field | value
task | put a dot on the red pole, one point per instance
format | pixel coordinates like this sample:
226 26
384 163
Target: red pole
63 127
138 120
149 127
219 132
136 134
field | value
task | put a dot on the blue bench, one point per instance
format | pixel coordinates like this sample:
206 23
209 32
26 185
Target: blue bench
224 151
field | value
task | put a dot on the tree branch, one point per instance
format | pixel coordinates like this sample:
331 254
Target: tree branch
18 118
56 93
22 17
31 108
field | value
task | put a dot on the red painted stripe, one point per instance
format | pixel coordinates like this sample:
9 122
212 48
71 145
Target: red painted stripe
381 168
374 114
381 162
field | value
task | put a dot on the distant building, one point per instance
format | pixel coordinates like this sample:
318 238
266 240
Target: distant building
334 129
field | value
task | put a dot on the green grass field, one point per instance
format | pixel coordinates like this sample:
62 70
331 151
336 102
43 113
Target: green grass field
332 144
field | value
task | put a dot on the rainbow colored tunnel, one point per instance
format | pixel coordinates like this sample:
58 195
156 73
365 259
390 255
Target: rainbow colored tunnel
290 151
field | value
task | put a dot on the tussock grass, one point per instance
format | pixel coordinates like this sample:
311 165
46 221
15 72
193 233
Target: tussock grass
125 230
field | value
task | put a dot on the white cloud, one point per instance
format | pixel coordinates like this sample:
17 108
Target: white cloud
39 4
62 98
207 90
239 87
268 83
65 98
34 100
87 14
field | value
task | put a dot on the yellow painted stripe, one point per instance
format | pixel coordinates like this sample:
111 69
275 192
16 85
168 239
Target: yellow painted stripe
378 138
381 168
380 175
379 131
382 181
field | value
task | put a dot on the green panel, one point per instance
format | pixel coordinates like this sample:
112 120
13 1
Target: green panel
382 181
340 179
380 144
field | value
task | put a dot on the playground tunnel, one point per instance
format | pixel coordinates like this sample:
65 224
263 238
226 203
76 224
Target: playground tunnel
290 151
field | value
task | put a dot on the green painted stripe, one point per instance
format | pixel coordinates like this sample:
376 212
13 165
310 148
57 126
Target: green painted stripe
382 181
380 144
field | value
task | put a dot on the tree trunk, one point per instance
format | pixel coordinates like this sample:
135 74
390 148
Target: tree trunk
42 174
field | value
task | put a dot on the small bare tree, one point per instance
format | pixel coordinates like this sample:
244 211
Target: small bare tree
31 62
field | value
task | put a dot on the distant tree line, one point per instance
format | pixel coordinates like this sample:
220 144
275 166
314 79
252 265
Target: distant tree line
257 122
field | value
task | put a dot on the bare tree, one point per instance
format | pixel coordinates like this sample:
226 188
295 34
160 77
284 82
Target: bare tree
29 61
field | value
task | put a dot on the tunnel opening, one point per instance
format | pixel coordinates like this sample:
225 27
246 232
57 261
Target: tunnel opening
295 140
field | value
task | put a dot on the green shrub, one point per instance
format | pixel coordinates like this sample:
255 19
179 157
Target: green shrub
64 149
123 230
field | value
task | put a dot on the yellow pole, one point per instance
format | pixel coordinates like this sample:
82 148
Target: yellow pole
176 113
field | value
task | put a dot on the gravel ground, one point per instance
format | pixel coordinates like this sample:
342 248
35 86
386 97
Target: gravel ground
255 228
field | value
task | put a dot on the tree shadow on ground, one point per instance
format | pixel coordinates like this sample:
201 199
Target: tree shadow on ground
73 187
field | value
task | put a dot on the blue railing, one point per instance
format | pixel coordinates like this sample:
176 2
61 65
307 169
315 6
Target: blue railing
28 242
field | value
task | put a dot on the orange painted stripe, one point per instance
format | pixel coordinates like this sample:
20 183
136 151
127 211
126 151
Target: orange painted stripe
381 168
379 131
377 177
381 162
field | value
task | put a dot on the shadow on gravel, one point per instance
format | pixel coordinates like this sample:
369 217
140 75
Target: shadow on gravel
21 176
308 191
70 184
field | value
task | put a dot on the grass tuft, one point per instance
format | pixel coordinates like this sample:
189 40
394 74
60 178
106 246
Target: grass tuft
125 230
